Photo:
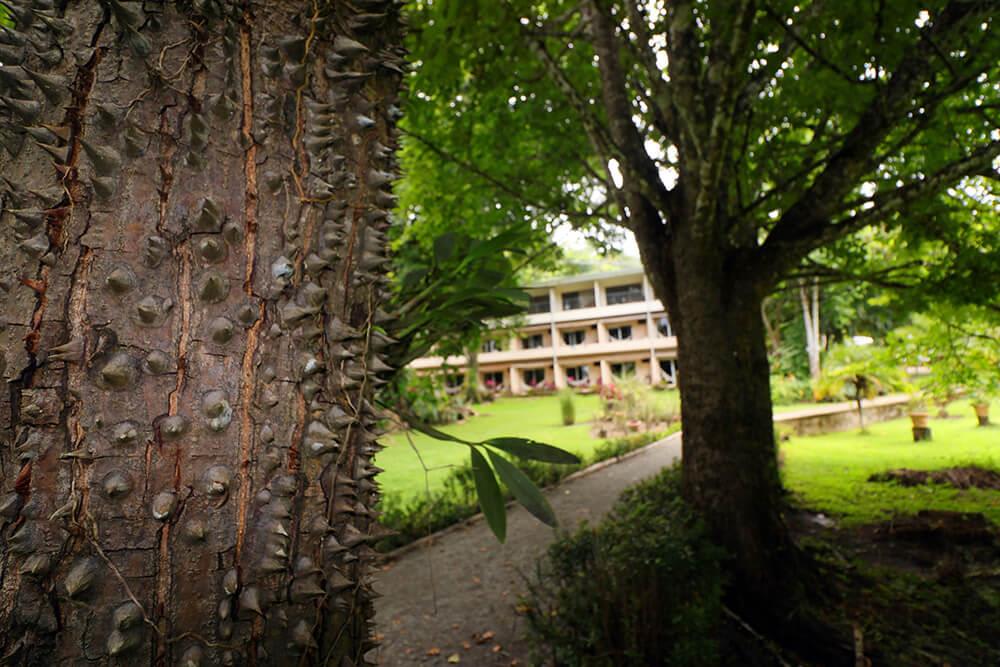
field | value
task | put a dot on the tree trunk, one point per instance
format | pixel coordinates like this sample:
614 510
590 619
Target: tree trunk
729 455
472 392
810 321
194 202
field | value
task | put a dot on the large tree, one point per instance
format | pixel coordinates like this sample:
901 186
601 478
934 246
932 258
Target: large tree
733 139
195 195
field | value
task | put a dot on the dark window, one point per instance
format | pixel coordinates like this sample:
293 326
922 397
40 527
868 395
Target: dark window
493 380
625 293
533 341
581 299
539 304
534 376
623 369
491 346
454 381
572 338
577 375
669 370
620 333
663 326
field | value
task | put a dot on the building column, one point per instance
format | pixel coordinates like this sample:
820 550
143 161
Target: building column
606 377
654 369
559 373
602 332
598 301
516 387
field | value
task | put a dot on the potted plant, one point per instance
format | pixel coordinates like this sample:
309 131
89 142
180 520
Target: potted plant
981 404
918 410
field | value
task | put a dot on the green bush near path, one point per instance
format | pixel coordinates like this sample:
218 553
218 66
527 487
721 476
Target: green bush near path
830 472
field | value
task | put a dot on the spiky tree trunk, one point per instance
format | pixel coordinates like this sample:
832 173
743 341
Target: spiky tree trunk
194 201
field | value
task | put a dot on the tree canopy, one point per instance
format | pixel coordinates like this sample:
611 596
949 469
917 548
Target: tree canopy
818 119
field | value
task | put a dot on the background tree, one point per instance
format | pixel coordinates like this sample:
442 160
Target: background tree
195 198
734 140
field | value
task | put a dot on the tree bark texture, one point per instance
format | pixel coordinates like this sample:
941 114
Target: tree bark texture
194 196
729 453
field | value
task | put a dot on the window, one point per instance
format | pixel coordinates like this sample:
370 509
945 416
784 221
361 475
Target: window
622 369
493 380
533 341
668 368
663 326
454 381
539 304
581 299
491 346
623 332
577 376
625 293
534 376
573 338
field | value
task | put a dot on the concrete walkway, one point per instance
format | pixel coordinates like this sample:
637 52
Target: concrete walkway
476 581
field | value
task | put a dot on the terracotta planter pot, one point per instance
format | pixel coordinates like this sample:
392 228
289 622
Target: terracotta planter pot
919 419
982 413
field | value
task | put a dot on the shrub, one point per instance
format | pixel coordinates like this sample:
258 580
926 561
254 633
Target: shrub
641 588
567 408
787 389
426 396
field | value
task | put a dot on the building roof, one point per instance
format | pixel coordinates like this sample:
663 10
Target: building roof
636 270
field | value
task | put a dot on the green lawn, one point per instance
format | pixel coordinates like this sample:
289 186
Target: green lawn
535 417
829 472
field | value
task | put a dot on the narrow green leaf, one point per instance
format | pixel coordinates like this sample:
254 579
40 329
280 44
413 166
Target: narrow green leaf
530 449
490 498
523 489
427 429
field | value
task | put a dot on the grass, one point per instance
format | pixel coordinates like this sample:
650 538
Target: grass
829 472
537 417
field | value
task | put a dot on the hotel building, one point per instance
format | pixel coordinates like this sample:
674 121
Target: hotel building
579 330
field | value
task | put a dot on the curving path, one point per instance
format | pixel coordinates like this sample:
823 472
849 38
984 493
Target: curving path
453 599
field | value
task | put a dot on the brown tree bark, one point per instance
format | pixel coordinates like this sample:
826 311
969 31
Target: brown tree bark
194 200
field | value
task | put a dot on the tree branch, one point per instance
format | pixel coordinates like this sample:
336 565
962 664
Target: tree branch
779 253
804 222
635 161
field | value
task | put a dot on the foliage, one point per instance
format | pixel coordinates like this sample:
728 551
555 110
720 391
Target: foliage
632 399
641 588
788 389
961 345
426 395
413 517
566 407
853 372
486 473
829 472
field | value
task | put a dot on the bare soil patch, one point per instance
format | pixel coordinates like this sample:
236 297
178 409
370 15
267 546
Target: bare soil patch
960 478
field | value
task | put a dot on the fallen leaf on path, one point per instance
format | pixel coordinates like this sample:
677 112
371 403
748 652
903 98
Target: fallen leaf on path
477 580
454 658
434 650
466 645
485 637
496 648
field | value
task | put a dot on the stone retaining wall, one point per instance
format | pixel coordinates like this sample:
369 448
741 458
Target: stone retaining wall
843 416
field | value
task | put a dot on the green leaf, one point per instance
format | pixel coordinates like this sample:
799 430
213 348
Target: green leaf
526 448
523 489
427 429
490 498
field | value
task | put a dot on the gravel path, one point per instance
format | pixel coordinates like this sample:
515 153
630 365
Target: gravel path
476 581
